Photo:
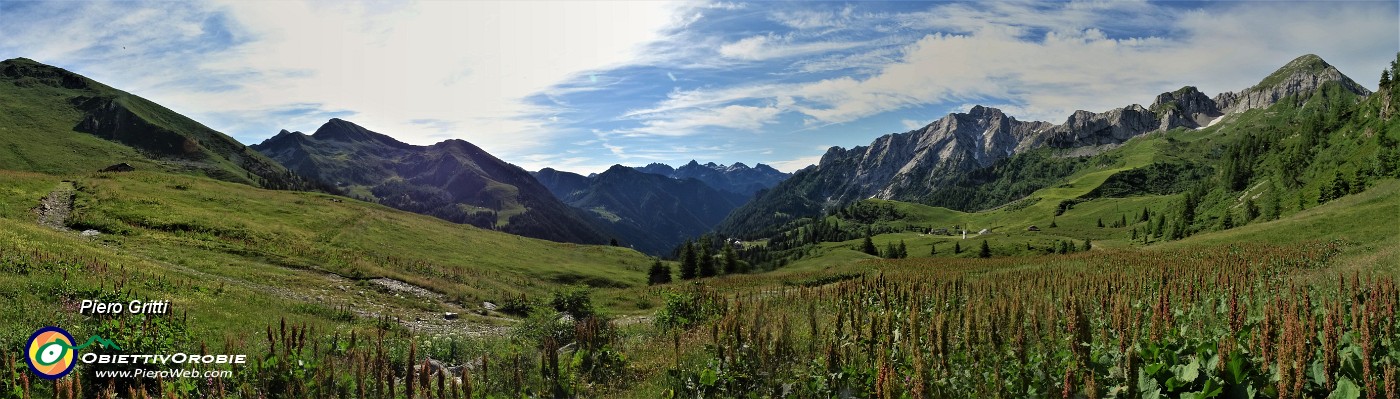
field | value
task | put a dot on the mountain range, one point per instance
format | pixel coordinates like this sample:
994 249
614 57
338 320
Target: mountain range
650 212
736 178
453 180
912 165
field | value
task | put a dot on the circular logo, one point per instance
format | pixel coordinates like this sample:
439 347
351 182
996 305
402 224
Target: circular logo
50 353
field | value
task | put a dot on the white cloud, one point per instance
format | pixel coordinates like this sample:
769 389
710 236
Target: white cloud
1072 64
815 19
689 121
863 62
912 124
764 47
792 165
470 63
707 98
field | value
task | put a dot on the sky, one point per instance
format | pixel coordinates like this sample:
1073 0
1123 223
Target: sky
580 86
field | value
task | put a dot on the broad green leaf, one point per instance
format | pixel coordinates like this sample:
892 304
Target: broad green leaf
1236 370
1345 390
708 377
1319 374
1188 372
1153 368
1148 386
1212 389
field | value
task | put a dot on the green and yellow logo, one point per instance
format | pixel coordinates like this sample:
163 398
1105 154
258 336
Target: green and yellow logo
51 353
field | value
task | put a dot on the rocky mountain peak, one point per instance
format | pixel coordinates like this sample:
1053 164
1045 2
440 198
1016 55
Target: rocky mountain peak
1301 75
342 130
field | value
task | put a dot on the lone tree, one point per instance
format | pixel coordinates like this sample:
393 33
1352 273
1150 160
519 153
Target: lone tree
957 248
986 251
1088 244
659 273
868 247
689 266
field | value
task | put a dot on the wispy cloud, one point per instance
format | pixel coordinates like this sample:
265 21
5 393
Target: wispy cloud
690 121
765 47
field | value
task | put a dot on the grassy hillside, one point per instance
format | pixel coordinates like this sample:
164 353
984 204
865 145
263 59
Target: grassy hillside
234 260
56 121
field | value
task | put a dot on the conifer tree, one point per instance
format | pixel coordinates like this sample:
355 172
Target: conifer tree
707 260
1088 244
868 246
985 251
689 266
957 248
903 250
659 273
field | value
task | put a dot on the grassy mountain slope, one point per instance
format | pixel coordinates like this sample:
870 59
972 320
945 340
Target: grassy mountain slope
282 253
56 121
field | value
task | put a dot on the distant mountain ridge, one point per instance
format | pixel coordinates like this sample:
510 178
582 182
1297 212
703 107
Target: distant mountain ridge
650 212
904 166
453 180
736 178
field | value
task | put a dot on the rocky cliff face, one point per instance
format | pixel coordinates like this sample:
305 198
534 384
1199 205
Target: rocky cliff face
1186 107
905 166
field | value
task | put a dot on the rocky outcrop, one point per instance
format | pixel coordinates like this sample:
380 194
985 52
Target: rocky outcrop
1085 129
1186 107
1302 75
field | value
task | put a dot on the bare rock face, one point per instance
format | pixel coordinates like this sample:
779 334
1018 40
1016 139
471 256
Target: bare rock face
1085 128
1185 107
1302 75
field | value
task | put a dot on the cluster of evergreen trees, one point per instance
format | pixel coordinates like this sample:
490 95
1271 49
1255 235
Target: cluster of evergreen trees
892 251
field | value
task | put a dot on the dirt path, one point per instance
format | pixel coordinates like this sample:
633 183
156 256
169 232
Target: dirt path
53 210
